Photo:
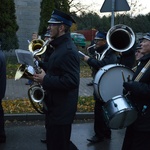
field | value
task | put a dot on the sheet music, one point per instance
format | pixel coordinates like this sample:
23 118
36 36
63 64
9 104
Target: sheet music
24 57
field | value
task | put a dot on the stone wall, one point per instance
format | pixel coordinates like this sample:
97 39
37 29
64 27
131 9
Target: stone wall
28 19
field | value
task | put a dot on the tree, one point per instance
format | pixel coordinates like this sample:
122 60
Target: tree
62 5
47 6
141 24
8 25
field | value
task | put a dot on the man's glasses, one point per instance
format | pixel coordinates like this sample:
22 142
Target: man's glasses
98 40
54 24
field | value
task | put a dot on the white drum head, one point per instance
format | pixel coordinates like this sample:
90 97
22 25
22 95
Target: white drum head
109 83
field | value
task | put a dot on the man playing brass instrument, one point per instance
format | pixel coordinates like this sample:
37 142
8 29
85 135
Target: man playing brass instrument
61 83
105 56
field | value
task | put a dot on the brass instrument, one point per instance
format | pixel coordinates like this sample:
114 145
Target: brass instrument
36 96
24 71
97 55
90 47
35 93
120 38
37 44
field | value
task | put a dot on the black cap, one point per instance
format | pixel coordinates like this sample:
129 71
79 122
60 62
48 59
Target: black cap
60 17
100 35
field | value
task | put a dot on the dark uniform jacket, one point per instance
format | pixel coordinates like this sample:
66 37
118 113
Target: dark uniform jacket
140 95
109 58
2 75
127 58
61 81
48 52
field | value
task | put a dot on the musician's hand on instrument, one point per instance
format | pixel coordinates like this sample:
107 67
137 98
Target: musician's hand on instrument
127 85
86 58
126 89
37 58
125 92
131 86
39 77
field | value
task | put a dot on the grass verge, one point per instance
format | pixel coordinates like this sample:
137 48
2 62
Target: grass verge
85 104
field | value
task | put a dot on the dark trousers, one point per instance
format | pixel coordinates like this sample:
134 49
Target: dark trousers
100 127
58 137
136 140
1 119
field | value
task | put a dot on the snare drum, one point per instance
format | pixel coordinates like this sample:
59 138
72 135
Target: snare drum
108 81
119 112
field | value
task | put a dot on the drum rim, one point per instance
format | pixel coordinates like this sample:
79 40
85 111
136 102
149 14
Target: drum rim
97 85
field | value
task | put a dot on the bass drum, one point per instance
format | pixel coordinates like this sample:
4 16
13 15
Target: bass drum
108 81
119 112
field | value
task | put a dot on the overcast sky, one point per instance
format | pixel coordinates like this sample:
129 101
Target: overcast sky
95 5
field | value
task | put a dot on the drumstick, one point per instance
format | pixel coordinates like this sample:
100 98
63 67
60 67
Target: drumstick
128 78
123 75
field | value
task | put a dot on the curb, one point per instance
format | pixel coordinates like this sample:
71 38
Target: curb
36 116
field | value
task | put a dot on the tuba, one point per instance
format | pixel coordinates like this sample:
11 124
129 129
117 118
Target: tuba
120 38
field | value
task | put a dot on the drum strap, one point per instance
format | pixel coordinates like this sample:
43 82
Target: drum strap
142 71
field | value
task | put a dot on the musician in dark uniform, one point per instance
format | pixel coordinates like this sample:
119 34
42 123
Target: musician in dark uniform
61 83
137 136
127 58
2 94
105 56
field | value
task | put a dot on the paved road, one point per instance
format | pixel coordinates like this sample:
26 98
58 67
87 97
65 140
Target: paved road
18 89
27 135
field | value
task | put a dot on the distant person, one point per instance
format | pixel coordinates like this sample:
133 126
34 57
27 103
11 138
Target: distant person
49 49
2 94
